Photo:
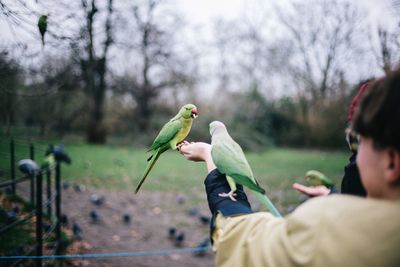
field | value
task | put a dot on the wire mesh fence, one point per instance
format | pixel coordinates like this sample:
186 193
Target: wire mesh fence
43 196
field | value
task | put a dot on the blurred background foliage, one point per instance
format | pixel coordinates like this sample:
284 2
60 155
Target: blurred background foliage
277 76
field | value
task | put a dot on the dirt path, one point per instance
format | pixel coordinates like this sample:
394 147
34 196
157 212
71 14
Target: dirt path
152 214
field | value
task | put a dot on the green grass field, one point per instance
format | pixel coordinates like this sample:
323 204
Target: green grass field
121 168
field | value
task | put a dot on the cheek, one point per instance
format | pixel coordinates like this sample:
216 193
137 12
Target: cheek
362 159
363 168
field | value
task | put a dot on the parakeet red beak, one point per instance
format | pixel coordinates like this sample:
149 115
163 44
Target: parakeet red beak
194 113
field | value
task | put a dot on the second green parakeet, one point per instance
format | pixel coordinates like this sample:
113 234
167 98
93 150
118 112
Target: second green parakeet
318 178
171 134
230 160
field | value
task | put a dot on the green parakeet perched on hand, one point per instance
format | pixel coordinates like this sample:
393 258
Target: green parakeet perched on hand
171 134
317 178
42 24
230 160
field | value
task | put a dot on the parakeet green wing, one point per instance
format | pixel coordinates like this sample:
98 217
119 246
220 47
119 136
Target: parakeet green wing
167 133
229 159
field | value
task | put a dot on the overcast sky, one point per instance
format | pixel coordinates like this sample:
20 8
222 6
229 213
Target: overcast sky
205 11
202 13
198 14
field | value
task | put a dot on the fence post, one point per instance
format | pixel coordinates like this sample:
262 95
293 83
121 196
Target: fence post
58 207
12 166
32 177
48 186
39 213
31 151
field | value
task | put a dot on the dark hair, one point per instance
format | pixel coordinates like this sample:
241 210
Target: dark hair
378 114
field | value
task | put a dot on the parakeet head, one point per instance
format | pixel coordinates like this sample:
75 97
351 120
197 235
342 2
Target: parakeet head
215 125
43 18
189 111
314 177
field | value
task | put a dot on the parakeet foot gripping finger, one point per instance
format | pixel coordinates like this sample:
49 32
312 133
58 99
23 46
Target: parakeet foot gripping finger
232 184
231 195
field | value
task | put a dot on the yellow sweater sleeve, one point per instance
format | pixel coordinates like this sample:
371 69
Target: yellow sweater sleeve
327 231
260 239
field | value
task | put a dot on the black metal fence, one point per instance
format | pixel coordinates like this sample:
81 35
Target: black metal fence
45 202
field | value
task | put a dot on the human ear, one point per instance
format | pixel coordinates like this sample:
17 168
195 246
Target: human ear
392 172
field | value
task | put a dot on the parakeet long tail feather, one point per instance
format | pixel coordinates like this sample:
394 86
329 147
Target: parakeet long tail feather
149 167
267 202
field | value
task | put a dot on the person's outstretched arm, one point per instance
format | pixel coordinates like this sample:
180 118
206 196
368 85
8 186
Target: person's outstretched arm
243 238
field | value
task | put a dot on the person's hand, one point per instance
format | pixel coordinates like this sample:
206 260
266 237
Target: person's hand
198 151
195 151
312 191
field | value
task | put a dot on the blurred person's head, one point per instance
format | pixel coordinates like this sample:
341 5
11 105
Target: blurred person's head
377 120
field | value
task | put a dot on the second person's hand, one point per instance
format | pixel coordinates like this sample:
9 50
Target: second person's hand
312 191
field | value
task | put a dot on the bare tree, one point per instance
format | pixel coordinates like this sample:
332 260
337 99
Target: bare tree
11 78
94 67
324 36
254 59
224 36
90 35
157 64
396 6
387 49
242 49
